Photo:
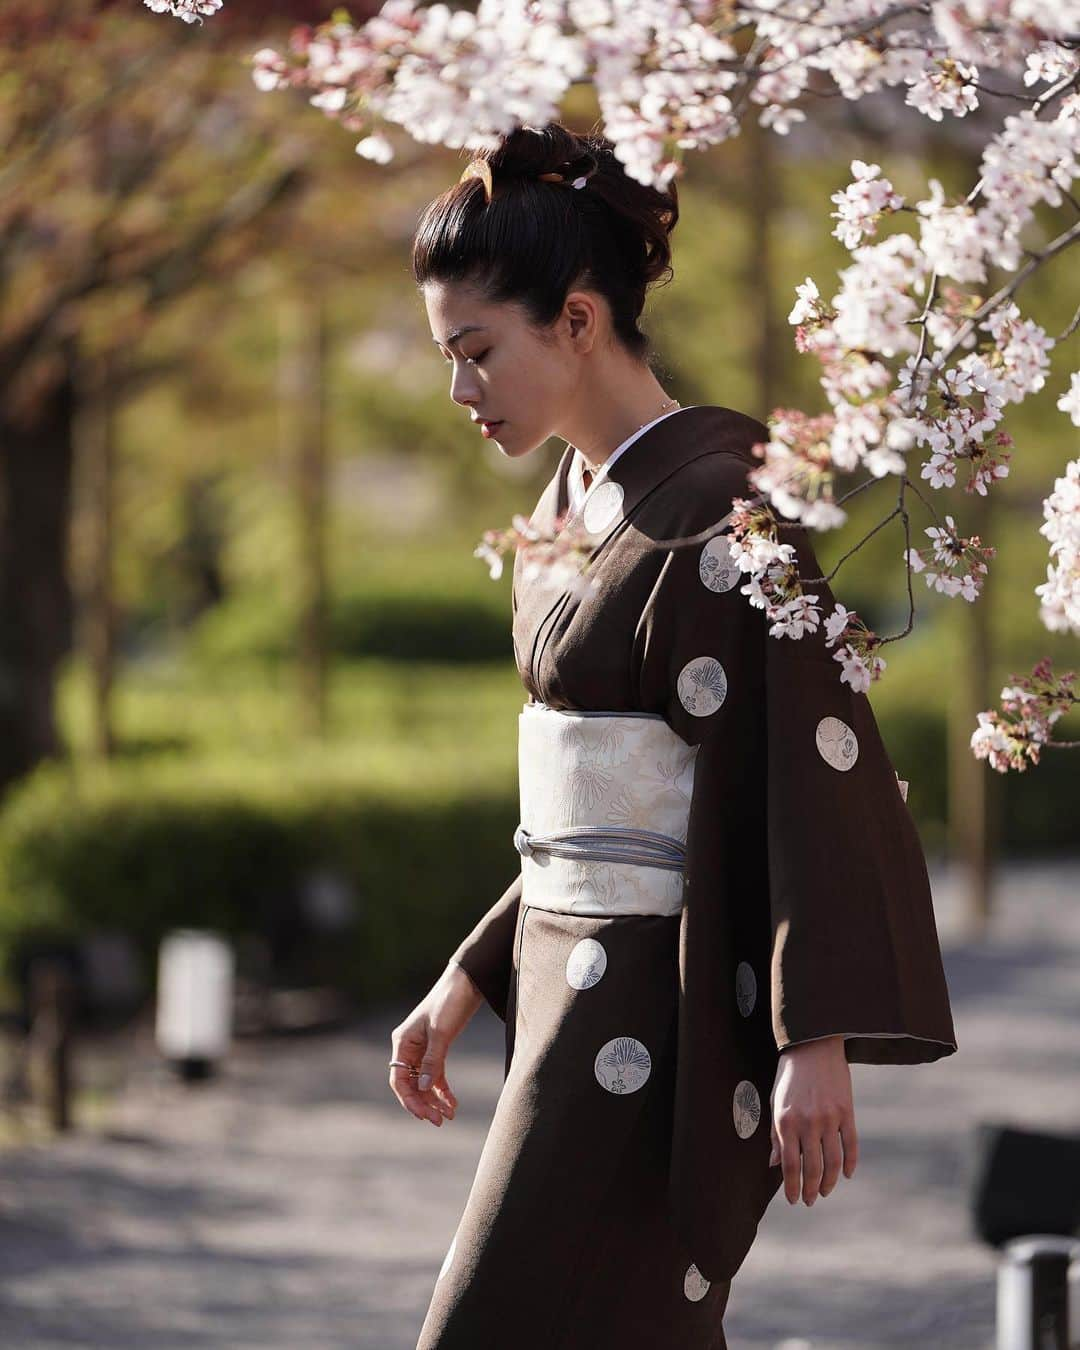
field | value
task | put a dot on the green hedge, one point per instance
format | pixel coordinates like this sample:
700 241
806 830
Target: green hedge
418 622
152 849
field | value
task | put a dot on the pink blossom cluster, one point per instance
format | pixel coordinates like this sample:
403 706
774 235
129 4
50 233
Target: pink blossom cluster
797 474
191 11
668 75
959 423
856 654
567 547
1060 592
1015 736
773 584
861 203
959 564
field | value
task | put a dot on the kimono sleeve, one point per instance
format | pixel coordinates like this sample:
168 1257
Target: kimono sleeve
855 944
796 809
486 955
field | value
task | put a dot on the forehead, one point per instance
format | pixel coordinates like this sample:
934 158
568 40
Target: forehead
455 309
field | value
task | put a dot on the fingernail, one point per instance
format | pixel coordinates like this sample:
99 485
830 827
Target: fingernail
424 1082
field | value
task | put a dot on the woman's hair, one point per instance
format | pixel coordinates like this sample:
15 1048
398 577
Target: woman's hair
535 240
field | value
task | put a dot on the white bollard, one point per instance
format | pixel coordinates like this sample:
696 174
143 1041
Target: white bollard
194 1000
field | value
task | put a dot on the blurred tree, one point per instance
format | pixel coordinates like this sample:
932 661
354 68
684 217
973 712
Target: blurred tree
115 201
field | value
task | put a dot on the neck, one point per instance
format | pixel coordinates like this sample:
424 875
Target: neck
602 424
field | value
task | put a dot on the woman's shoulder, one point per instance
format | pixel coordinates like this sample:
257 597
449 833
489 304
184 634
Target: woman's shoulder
731 429
712 470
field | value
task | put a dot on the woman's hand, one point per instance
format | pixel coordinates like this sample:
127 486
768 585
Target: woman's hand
813 1116
424 1037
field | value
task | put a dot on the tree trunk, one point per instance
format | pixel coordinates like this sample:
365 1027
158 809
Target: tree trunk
35 596
95 441
303 396
762 201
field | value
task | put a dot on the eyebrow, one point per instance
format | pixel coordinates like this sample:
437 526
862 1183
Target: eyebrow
458 333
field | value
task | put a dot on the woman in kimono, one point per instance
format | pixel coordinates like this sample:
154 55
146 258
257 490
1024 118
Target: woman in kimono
722 899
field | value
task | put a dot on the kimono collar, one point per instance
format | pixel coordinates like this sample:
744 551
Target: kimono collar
658 452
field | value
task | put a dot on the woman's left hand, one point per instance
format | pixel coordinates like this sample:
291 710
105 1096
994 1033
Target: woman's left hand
813 1130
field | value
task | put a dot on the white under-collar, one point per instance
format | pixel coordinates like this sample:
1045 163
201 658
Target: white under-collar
575 481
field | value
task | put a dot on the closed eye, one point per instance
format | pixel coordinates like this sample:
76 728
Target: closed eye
470 360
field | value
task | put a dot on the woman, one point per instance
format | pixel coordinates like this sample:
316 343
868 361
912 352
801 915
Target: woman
722 899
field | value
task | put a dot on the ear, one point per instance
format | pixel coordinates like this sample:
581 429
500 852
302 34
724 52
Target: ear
581 311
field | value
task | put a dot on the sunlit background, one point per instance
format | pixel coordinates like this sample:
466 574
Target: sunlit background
253 680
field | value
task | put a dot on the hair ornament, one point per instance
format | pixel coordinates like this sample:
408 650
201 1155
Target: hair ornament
479 168
558 178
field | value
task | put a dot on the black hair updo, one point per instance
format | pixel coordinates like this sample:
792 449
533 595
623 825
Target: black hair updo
535 240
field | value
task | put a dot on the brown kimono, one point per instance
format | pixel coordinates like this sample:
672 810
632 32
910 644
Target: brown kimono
806 913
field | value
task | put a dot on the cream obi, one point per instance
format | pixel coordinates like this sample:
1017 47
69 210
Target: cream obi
605 801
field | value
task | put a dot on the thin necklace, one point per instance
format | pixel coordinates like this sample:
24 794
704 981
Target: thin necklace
592 473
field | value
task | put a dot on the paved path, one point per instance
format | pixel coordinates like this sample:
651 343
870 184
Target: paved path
294 1206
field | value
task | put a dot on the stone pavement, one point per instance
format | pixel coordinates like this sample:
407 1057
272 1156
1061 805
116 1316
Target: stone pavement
292 1204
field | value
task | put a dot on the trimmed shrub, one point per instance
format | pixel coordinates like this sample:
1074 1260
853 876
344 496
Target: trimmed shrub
184 844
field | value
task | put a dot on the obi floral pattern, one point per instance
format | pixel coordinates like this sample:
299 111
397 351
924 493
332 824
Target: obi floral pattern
617 770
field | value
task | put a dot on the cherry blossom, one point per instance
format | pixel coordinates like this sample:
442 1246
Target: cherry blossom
914 364
860 664
191 11
1070 402
959 564
1014 736
1060 592
860 204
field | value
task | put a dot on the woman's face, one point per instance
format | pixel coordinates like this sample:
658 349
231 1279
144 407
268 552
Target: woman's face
504 369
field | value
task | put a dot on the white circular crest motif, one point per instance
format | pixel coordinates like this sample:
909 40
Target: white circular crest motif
746 1108
745 988
622 1065
447 1259
716 567
837 744
702 686
601 507
586 964
695 1285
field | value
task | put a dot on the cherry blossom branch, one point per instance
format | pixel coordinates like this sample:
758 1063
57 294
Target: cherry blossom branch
1035 260
816 581
1014 736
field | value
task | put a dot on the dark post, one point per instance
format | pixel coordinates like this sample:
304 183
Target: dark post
52 1003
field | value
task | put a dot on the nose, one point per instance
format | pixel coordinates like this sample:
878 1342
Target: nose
463 390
